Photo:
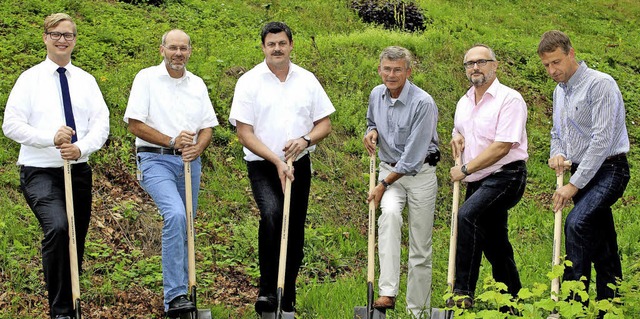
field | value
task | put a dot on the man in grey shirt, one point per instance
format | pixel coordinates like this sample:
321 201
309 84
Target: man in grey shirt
589 129
401 120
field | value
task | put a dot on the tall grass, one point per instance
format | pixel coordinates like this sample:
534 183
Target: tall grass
117 40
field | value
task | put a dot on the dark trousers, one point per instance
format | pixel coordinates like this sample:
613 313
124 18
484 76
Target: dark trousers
267 192
482 228
43 188
590 235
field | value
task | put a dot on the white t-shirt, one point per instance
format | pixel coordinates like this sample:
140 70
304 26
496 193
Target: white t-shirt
278 111
169 105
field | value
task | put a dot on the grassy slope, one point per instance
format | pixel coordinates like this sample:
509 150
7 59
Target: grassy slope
117 40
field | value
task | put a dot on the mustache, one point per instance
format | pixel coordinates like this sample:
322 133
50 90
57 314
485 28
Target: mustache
277 53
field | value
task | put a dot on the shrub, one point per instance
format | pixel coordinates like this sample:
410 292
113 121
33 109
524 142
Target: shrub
392 14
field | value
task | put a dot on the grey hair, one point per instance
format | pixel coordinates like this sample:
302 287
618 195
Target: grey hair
394 53
493 55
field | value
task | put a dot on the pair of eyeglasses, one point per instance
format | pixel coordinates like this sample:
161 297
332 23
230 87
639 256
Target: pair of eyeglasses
56 35
174 48
470 64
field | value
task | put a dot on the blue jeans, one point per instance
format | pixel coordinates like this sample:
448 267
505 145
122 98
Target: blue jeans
590 235
267 192
43 188
482 227
163 178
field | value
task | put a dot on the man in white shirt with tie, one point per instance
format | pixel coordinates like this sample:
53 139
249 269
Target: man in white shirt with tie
57 113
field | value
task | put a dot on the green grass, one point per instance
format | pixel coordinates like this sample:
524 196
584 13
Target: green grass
117 40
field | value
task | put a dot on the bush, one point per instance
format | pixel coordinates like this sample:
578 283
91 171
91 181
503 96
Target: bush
393 14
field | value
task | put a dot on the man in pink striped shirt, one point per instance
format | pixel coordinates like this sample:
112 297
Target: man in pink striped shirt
489 135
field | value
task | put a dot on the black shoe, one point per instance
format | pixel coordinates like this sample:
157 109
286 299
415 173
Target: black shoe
62 317
265 304
180 305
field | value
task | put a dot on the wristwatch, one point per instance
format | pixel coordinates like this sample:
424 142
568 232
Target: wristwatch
308 139
464 170
385 184
172 142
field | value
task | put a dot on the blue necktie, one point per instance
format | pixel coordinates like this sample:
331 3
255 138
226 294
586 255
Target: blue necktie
66 101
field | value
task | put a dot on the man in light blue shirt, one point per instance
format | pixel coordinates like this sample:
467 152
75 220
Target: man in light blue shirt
402 120
589 129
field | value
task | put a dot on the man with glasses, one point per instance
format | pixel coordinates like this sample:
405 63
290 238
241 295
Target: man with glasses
589 129
57 113
402 121
171 115
281 112
490 136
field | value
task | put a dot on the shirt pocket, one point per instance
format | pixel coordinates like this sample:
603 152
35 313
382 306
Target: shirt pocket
485 127
401 137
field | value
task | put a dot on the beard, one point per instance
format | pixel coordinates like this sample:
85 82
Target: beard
477 81
482 79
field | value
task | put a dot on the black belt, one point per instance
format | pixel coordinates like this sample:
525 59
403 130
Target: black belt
612 158
617 157
432 159
158 150
509 166
426 160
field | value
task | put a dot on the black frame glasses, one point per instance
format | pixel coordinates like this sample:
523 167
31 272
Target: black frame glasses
481 63
57 35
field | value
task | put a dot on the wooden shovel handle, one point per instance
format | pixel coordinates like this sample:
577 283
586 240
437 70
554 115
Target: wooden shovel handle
282 264
372 222
453 238
191 253
557 237
73 251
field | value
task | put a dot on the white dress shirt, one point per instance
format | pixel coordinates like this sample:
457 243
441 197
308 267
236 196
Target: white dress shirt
35 112
169 105
278 111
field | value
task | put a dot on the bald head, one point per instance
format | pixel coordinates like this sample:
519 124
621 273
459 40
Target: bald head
175 33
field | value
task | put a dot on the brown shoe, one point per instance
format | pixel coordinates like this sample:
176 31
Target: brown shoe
385 302
460 301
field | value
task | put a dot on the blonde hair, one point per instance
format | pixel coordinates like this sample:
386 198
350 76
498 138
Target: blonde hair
53 20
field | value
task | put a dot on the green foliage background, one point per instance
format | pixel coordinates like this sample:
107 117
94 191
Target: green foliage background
116 40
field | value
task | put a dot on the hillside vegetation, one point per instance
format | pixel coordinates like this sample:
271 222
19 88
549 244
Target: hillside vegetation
122 276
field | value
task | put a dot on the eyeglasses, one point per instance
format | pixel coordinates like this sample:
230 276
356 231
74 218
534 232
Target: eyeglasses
56 35
174 48
482 62
389 70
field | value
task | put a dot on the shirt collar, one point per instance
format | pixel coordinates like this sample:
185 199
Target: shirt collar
492 90
162 72
52 67
576 77
264 68
404 95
